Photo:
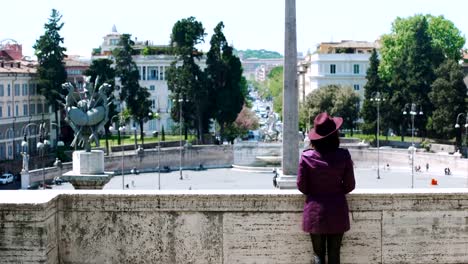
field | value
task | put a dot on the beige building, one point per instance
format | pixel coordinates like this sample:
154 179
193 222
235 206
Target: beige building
20 105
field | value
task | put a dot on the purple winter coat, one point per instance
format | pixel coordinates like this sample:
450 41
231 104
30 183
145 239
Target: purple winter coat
326 179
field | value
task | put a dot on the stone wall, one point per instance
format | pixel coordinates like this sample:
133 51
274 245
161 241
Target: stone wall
389 226
210 156
394 157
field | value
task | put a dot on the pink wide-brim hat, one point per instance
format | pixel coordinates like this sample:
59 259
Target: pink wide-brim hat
324 126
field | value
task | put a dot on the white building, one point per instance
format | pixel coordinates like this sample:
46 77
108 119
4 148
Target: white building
153 70
339 63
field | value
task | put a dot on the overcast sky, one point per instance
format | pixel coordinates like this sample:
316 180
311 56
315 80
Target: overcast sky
249 24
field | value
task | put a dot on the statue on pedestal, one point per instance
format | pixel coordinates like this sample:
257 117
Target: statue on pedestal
86 112
25 162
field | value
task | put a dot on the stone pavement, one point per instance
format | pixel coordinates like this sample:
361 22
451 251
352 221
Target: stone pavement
366 177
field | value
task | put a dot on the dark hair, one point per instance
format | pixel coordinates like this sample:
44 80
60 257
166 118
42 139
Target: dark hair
327 144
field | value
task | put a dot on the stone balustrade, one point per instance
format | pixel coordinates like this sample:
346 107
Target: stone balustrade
387 226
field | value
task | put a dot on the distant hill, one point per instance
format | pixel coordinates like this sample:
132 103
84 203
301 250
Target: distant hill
260 54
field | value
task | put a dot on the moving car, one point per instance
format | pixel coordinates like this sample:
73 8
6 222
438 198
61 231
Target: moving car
6 178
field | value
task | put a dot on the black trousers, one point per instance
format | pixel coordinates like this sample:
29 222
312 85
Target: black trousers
323 243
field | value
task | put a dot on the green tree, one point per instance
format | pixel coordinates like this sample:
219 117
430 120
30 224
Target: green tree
445 37
225 81
186 81
346 105
136 97
275 87
375 87
334 100
102 68
448 96
51 69
416 46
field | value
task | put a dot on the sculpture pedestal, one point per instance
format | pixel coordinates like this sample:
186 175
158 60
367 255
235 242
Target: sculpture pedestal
88 170
25 179
286 181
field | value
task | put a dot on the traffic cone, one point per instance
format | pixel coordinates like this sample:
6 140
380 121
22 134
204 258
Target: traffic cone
434 182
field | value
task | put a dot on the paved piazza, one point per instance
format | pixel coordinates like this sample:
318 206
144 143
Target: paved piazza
398 177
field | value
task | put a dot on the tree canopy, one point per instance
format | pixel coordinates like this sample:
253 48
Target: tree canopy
186 80
336 101
51 69
410 54
225 81
448 96
135 96
445 37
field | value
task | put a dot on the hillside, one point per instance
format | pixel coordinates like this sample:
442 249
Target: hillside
260 54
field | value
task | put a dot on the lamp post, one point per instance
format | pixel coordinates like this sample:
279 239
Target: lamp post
135 135
121 129
181 120
42 146
413 112
157 116
376 97
457 125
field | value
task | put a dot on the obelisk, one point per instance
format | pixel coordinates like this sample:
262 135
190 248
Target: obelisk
290 155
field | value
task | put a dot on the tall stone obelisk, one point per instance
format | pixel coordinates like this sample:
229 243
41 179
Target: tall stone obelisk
290 158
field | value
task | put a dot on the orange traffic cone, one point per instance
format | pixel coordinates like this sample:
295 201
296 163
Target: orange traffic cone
434 182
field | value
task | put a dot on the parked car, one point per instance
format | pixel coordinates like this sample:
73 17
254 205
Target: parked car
6 178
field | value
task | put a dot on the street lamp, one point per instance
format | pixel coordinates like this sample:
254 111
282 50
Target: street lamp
457 125
121 129
158 117
135 135
181 121
413 112
376 97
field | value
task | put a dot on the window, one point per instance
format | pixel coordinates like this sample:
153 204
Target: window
17 89
153 73
32 109
356 87
25 89
2 152
32 89
16 110
143 75
152 88
161 73
9 111
39 108
332 68
1 90
153 103
8 90
25 109
356 68
1 111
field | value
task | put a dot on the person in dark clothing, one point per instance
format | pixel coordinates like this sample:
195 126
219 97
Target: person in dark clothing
325 176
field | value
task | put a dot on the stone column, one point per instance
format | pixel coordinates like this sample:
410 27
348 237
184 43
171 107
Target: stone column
290 101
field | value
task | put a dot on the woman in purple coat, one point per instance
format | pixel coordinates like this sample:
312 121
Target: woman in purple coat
326 175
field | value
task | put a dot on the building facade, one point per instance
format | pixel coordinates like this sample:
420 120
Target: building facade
342 63
20 103
75 67
153 69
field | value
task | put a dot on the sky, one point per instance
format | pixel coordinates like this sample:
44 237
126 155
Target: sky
249 24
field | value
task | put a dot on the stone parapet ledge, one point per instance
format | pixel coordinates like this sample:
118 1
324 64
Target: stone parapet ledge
226 226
